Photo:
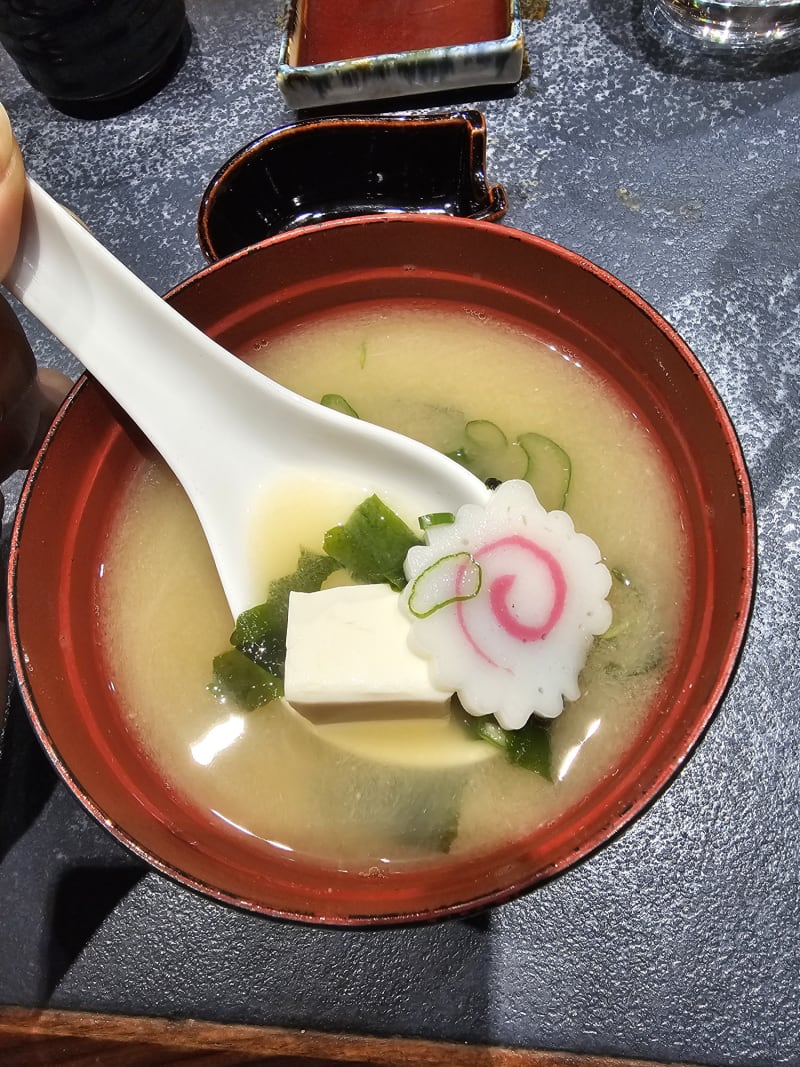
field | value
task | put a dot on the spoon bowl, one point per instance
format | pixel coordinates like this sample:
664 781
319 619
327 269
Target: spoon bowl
227 431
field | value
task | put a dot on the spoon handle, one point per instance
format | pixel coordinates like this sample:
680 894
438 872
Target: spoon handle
191 398
226 430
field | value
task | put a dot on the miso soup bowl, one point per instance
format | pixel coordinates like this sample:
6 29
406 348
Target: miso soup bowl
74 488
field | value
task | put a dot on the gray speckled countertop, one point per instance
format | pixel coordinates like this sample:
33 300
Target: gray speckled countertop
677 941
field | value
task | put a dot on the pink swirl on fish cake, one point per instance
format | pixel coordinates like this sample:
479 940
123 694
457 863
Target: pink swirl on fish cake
500 588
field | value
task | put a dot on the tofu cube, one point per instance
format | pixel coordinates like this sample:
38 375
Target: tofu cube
347 658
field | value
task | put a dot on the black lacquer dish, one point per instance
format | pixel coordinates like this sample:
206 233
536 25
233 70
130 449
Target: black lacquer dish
323 169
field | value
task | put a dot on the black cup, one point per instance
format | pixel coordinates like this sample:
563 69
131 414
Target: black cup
95 57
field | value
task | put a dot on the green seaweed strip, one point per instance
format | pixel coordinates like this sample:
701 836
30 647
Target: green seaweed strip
633 645
261 631
426 814
436 832
338 403
549 469
372 545
251 673
236 677
528 747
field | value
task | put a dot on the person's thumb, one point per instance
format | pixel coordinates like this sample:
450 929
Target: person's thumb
12 191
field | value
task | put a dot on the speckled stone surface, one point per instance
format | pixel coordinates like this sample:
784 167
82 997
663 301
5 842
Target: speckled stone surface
679 940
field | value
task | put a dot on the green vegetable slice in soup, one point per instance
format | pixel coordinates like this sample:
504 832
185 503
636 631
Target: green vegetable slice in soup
338 403
372 544
549 469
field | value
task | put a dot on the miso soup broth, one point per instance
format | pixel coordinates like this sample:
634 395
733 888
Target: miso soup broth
425 370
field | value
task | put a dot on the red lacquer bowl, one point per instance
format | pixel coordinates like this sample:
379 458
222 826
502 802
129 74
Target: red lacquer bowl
73 489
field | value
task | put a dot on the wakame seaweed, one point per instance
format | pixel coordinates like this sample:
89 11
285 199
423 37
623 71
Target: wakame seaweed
629 648
528 747
372 545
238 678
259 639
261 631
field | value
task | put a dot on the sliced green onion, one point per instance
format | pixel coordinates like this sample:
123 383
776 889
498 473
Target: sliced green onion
338 403
435 587
487 452
549 469
509 463
485 435
436 518
615 630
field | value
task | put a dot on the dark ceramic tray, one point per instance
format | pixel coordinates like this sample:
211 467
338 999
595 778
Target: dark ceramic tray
333 54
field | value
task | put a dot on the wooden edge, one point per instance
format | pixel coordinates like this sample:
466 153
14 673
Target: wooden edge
62 1038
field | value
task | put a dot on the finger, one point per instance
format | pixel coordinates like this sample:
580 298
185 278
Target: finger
19 395
12 191
53 387
5 661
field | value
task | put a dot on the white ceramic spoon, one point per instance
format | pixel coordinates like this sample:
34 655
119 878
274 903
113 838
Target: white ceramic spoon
226 431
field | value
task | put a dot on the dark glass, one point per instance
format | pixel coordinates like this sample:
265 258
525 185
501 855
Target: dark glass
95 56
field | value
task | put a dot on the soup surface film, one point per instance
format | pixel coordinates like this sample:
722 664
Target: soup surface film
388 794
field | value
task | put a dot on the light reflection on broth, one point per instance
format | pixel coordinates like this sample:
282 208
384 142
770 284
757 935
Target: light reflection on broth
422 371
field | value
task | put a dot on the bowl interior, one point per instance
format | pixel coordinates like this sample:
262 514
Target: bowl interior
75 486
